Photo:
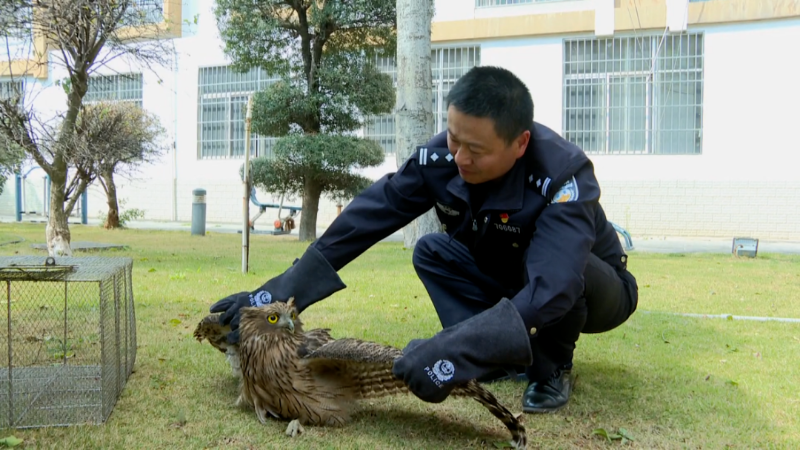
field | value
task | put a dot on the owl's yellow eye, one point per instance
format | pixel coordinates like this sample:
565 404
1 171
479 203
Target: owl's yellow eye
272 318
294 316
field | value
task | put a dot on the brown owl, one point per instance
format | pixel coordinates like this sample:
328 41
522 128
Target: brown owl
309 378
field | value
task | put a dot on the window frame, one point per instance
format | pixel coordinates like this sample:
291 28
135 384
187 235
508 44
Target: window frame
259 145
656 78
439 78
119 89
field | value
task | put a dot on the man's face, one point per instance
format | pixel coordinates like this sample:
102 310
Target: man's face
479 153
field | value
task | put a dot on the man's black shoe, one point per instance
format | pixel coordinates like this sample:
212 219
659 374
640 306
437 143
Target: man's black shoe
512 373
549 395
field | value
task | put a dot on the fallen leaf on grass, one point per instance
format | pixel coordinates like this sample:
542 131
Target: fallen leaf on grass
181 420
621 435
10 441
731 383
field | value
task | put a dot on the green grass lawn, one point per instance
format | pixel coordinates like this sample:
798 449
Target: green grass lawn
669 381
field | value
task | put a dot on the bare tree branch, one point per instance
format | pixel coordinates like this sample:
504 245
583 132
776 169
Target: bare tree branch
81 36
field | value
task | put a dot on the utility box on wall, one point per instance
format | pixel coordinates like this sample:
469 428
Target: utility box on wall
745 247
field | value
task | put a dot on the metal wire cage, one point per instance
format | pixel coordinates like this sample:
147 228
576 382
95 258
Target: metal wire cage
68 329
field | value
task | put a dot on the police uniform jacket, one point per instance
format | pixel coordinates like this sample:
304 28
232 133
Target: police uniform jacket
533 232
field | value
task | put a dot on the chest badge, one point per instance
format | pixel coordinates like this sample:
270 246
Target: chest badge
504 217
447 210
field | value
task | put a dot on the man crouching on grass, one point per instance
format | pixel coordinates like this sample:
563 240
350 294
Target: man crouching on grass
525 263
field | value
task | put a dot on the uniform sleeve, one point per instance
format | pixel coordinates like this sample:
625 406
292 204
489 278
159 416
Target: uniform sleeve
385 207
558 252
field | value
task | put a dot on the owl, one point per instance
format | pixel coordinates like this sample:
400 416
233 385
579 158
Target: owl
309 378
216 334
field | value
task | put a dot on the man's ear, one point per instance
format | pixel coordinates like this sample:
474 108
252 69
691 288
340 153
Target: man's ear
521 143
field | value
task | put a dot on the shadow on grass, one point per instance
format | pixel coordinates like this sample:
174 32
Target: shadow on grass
401 419
699 386
427 427
673 394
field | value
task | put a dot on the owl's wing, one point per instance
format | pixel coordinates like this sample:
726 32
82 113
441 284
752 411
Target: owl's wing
361 369
365 370
314 339
210 329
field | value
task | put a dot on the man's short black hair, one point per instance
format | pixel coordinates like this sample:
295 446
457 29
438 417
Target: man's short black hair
496 93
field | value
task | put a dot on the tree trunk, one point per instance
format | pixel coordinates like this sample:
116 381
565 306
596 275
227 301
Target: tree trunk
413 114
57 230
112 218
308 221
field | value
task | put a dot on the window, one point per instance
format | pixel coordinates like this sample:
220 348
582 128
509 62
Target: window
381 128
9 89
221 112
447 66
152 11
641 95
121 88
16 38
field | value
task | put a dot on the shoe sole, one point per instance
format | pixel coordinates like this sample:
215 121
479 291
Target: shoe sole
530 410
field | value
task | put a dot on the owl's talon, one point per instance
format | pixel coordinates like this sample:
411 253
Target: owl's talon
294 428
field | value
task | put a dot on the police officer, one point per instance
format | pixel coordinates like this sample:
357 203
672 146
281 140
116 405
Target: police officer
525 262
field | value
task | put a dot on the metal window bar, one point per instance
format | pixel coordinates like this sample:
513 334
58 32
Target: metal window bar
222 94
634 95
19 24
119 88
9 89
447 66
152 10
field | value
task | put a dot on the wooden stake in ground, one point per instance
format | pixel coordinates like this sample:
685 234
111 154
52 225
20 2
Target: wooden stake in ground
246 198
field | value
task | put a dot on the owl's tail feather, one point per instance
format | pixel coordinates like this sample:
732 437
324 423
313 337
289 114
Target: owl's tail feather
363 370
485 397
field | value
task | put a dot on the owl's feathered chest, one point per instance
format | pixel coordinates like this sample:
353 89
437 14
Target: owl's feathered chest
270 360
273 376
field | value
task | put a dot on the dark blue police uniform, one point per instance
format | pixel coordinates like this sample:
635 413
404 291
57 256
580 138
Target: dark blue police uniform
537 236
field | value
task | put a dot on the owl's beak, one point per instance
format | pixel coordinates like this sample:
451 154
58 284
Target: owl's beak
291 325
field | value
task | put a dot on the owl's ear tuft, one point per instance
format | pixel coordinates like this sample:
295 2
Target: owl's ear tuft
290 302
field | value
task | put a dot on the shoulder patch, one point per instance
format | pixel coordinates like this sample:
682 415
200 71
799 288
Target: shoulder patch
567 193
434 156
541 183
